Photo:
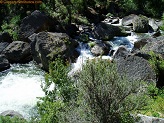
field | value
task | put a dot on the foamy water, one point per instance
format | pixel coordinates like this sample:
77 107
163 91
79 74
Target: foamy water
19 87
85 53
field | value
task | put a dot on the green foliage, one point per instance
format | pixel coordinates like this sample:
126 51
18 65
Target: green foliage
84 38
157 62
108 95
7 119
152 91
63 91
91 44
162 27
12 26
155 105
147 7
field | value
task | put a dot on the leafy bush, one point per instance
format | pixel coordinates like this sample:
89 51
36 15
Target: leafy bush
162 27
110 97
12 26
7 119
157 62
59 91
155 105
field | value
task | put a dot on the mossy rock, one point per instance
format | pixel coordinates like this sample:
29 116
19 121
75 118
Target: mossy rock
141 24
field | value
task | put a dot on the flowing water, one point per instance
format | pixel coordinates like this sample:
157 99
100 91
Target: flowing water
85 53
19 87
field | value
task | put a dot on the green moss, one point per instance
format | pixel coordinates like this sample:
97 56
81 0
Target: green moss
84 38
91 44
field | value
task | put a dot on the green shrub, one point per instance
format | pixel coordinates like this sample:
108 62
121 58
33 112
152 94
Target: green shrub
110 97
52 105
7 119
12 27
162 27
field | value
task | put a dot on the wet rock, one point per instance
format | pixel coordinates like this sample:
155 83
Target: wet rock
18 52
11 113
48 46
4 63
115 21
141 24
105 31
128 20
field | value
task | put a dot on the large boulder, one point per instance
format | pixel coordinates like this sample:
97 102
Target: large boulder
4 63
5 37
11 113
18 52
93 16
105 31
141 24
128 20
156 45
135 68
3 45
34 23
48 46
